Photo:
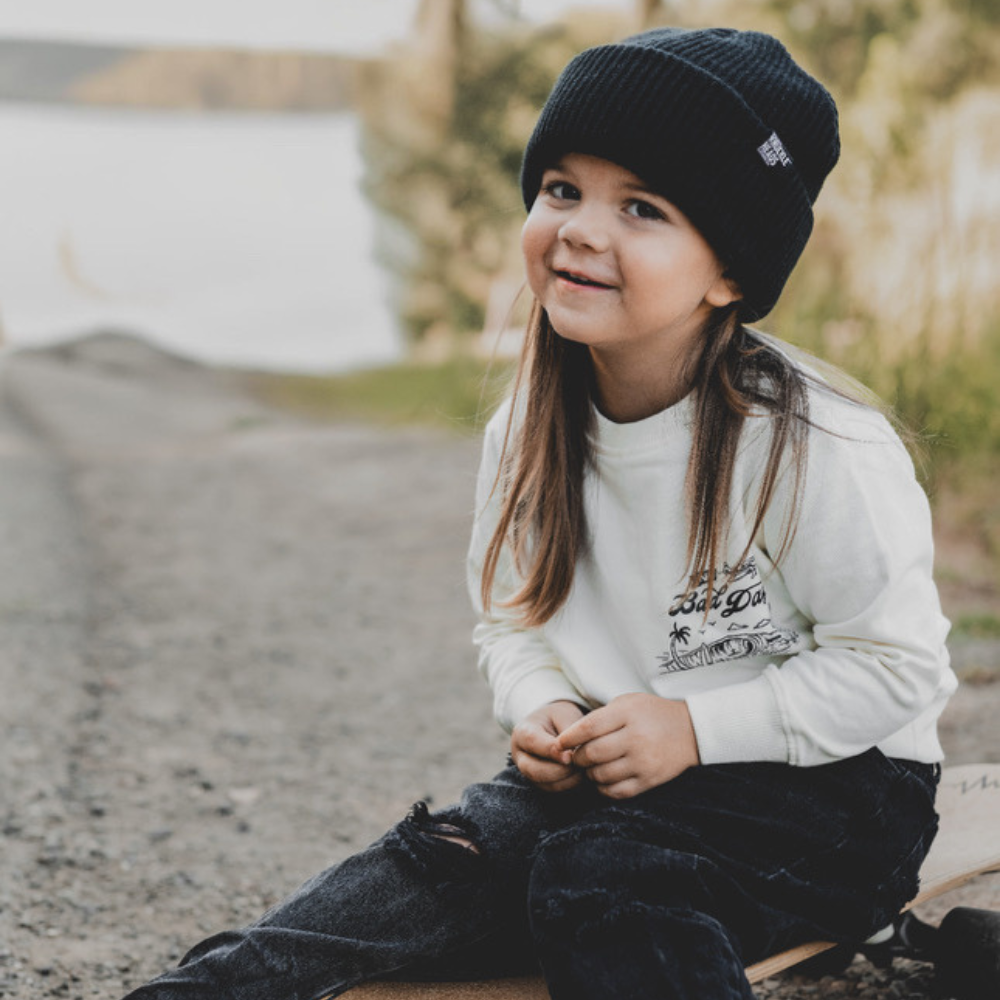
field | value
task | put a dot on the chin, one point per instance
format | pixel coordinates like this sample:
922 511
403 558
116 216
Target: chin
570 331
573 328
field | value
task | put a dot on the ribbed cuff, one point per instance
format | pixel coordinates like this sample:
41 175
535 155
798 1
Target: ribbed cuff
741 722
535 690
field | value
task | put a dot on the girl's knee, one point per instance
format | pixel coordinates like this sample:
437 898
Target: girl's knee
431 838
451 830
493 829
582 874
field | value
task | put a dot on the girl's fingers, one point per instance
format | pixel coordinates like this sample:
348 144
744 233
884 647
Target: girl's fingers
541 771
600 722
622 789
533 739
570 781
611 773
600 750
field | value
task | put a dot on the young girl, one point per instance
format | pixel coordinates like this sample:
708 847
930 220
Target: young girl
704 585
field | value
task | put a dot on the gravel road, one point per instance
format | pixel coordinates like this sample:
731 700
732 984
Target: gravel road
234 648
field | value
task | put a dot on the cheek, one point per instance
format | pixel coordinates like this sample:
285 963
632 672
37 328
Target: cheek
671 281
535 241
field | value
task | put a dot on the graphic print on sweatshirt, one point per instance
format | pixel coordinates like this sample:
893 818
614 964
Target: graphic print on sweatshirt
738 624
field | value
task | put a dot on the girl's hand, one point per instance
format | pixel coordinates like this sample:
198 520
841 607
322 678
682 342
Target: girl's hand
632 744
534 751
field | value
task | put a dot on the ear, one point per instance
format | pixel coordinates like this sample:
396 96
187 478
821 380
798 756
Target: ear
723 292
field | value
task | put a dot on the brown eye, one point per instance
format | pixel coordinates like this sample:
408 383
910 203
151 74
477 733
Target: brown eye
561 191
645 210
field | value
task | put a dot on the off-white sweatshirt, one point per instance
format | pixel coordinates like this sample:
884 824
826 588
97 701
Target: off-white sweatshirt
838 649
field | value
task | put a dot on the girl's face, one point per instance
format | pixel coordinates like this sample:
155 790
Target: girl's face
619 268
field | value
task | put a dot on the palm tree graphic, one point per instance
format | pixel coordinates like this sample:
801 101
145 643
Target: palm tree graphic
680 633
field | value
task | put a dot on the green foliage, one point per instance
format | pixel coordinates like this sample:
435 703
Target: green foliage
897 284
945 45
982 626
837 34
954 399
949 401
459 394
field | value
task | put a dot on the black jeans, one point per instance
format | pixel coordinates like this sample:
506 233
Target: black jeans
665 895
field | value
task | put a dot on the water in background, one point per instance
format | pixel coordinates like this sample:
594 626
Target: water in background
237 239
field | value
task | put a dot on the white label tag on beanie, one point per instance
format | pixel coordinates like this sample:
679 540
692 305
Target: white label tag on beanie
773 152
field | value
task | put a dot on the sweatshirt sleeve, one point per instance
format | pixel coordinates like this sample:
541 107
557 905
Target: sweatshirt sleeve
860 570
520 666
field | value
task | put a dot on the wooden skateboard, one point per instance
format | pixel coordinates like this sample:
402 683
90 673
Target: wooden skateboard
965 949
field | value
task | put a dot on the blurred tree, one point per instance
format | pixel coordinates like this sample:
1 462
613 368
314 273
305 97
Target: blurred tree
439 37
649 12
900 282
446 116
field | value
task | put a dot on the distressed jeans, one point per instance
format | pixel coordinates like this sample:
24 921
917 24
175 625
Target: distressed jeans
664 896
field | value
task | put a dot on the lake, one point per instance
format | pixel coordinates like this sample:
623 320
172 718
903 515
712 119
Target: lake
234 239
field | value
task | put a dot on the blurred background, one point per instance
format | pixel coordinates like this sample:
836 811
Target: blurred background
240 237
329 190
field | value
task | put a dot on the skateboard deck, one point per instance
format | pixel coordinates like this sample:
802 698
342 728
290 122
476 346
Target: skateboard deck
967 844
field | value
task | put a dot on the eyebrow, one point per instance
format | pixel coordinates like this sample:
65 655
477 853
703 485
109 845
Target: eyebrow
642 187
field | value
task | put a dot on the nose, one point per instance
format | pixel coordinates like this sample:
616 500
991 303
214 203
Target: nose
587 227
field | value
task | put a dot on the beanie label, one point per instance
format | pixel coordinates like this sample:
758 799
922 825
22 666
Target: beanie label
773 152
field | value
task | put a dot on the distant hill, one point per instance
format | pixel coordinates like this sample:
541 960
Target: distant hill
196 78
45 71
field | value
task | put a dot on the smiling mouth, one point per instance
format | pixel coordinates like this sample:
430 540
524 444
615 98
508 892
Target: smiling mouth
579 279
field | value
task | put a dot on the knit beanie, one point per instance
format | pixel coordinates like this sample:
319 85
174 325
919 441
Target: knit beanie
722 123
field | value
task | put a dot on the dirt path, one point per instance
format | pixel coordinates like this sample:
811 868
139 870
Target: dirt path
234 649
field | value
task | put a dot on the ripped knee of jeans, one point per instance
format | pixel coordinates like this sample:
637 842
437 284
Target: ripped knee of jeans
441 827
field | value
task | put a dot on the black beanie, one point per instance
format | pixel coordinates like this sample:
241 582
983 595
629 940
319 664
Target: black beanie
722 123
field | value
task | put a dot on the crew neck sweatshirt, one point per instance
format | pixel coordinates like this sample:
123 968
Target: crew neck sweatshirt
838 649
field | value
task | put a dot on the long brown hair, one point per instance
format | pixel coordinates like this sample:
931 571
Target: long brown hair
549 445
